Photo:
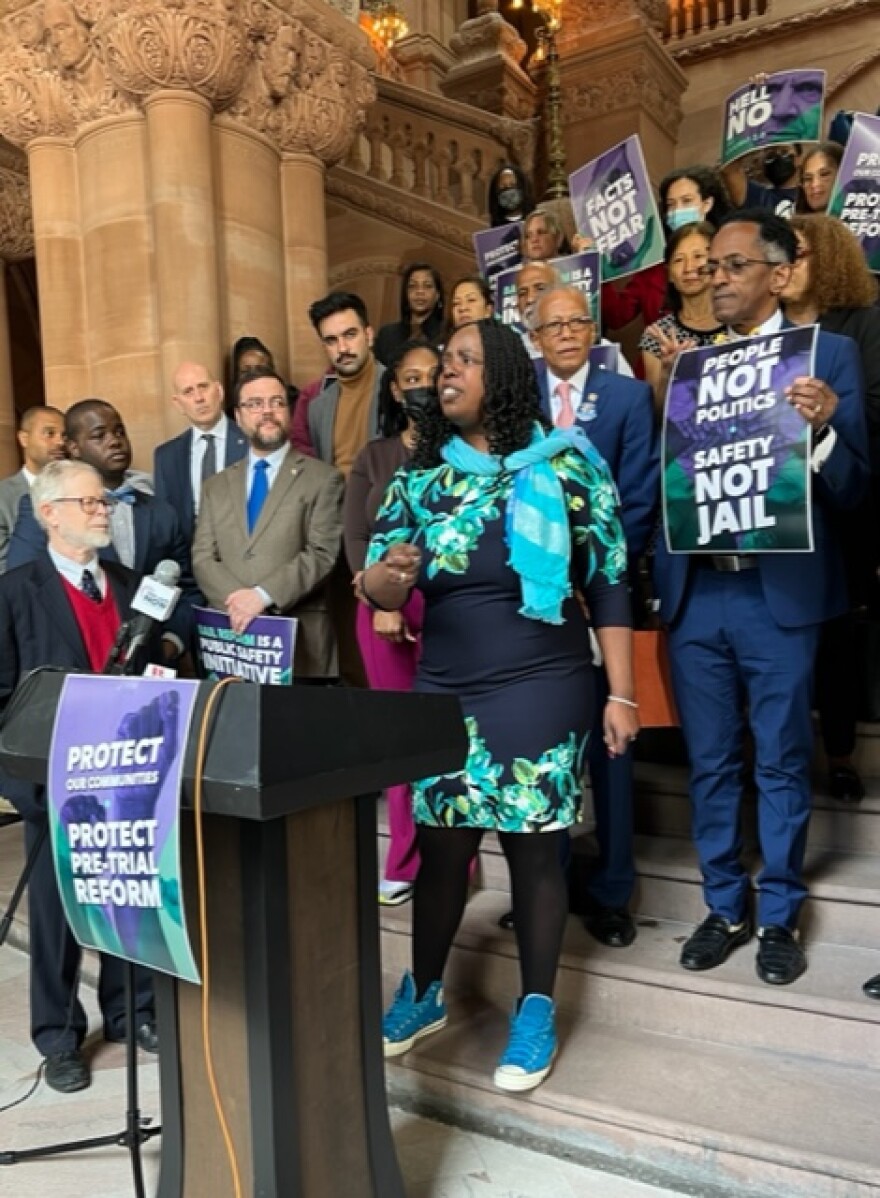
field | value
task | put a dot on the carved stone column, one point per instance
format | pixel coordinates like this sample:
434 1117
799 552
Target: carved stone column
16 241
162 230
487 72
617 79
306 91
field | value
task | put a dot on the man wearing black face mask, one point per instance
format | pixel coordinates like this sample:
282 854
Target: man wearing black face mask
780 165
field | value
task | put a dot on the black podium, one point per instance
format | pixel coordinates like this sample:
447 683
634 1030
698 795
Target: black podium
290 783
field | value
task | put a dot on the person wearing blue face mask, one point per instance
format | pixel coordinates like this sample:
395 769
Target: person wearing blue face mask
691 194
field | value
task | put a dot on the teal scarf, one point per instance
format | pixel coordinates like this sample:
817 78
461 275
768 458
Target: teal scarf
536 528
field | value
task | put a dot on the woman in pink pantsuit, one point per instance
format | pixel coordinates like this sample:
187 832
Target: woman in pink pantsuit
390 642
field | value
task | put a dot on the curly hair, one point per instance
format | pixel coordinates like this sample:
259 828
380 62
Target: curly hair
839 276
511 405
392 417
710 186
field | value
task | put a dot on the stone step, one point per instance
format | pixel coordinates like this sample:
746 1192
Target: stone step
707 1120
822 1016
662 807
843 907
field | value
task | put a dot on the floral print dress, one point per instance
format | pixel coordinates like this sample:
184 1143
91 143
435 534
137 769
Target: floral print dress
525 686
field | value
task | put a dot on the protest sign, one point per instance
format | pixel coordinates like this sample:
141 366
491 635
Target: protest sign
856 195
114 777
736 471
786 107
262 653
614 204
575 270
497 249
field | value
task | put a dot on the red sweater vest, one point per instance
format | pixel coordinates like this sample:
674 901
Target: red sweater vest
98 623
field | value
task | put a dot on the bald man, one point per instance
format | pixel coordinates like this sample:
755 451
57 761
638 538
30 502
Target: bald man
211 443
41 439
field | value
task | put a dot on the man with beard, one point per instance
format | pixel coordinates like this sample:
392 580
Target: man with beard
63 608
270 528
345 415
342 419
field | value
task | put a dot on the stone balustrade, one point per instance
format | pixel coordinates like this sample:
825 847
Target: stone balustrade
688 18
437 149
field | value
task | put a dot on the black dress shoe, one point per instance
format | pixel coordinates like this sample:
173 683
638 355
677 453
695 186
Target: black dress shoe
871 988
506 921
145 1035
781 960
845 784
67 1072
713 942
613 926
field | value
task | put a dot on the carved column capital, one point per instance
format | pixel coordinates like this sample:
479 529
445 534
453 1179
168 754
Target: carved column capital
308 83
188 45
53 79
16 217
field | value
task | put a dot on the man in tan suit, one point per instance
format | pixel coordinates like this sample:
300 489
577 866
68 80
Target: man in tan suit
270 526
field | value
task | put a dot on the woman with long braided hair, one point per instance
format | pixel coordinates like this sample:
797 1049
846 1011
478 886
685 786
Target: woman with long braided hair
503 524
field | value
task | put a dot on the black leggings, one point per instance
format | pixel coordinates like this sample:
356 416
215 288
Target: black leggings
538 889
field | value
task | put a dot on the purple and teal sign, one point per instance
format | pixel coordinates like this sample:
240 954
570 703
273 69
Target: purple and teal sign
784 107
263 653
574 270
856 195
497 249
613 203
115 770
736 470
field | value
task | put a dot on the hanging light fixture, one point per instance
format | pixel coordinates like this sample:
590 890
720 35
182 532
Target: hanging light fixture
384 22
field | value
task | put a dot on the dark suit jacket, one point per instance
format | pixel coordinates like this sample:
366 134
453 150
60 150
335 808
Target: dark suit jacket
290 553
172 474
624 432
863 326
804 588
157 536
38 628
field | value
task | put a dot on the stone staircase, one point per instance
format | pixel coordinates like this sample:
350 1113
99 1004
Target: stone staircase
711 1083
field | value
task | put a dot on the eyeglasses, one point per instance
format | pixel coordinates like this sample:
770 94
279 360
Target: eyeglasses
733 267
273 404
555 328
89 503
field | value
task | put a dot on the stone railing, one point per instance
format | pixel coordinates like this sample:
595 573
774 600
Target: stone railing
437 149
689 18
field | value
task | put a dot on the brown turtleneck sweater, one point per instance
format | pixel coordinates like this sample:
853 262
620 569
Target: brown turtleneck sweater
351 426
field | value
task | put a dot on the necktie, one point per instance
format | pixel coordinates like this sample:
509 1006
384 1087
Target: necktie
259 491
209 456
565 416
89 587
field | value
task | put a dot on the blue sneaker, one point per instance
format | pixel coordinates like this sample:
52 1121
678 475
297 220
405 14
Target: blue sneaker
406 1020
531 1046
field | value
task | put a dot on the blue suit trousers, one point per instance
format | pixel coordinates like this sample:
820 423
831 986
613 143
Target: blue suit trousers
731 662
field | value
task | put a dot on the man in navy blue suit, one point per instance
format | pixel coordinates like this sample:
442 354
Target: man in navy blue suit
212 443
616 413
743 631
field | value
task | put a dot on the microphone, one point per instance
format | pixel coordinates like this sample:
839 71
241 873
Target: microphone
154 601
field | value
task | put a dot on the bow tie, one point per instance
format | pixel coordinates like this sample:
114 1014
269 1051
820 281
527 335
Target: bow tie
124 494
